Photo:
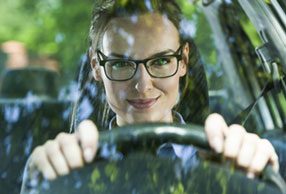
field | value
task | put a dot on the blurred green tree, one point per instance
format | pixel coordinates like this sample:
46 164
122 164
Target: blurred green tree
57 28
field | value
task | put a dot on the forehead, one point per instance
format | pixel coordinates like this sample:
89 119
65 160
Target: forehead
138 33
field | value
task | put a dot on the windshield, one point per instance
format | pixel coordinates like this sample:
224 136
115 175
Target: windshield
113 61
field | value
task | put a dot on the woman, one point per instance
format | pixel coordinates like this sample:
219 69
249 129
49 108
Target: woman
139 56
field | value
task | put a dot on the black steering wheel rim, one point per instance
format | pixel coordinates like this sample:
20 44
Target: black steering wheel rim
169 133
159 133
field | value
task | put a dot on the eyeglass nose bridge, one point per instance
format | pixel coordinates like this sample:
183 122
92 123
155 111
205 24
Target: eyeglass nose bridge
144 63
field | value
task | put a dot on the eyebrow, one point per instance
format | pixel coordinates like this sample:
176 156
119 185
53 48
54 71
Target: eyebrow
162 53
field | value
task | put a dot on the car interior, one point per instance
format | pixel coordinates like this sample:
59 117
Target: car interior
240 74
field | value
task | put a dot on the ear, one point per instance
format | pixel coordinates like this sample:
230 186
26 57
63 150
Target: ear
185 60
94 65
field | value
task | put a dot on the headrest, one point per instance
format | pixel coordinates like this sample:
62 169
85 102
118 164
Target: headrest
18 83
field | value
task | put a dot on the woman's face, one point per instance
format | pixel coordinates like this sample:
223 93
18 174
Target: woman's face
142 98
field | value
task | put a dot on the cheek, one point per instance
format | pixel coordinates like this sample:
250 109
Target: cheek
115 92
171 87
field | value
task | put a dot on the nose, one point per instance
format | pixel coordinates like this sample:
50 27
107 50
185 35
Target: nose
143 81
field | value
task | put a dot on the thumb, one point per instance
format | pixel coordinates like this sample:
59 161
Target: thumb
216 130
87 134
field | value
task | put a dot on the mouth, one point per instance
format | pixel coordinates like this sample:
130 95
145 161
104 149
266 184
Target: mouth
145 103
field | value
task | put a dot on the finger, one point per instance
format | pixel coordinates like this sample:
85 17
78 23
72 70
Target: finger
216 129
70 149
56 157
247 150
233 141
40 161
88 137
264 153
274 161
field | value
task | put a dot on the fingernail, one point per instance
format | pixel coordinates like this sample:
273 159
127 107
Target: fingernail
88 156
275 158
217 145
275 162
276 167
250 175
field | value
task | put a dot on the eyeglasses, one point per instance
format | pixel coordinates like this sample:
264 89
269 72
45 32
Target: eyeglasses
124 69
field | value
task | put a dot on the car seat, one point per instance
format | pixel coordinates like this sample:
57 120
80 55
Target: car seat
30 114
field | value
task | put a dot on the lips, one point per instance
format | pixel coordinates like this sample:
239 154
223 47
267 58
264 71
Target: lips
143 103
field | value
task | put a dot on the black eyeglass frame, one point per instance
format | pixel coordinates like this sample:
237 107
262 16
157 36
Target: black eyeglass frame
103 59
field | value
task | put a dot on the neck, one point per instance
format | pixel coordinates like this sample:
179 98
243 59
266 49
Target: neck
167 118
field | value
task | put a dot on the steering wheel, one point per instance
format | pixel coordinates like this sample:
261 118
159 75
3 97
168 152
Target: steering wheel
127 163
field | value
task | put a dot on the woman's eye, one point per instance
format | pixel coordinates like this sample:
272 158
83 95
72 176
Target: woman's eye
161 61
119 64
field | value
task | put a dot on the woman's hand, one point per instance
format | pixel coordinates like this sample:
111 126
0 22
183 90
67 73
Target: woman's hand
248 150
67 151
